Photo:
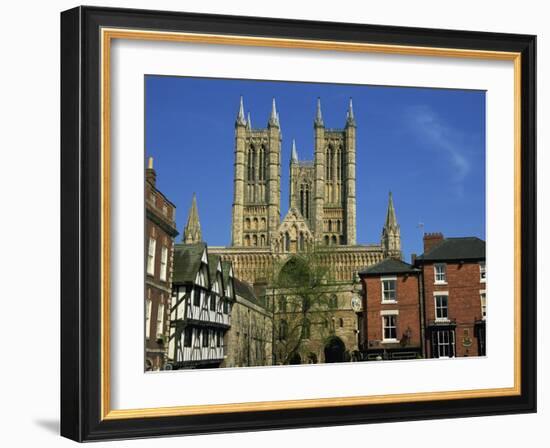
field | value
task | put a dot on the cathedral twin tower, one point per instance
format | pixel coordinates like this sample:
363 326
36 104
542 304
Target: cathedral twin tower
322 191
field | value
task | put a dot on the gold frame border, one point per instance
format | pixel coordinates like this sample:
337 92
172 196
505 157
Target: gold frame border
107 35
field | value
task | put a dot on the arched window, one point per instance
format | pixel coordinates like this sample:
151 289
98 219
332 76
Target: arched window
302 241
304 200
326 240
334 240
250 164
307 204
263 226
262 240
342 167
339 163
328 162
341 323
330 225
255 224
247 240
247 224
287 242
261 163
255 240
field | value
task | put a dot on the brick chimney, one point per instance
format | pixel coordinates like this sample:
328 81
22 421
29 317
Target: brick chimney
431 240
150 174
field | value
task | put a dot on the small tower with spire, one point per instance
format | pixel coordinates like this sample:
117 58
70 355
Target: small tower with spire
391 234
192 232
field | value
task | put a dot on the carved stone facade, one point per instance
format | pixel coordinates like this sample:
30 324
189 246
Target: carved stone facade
249 339
322 211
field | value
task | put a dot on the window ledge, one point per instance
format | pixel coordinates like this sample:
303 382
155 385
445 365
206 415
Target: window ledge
440 283
390 341
388 302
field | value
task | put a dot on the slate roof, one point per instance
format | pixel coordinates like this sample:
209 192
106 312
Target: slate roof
464 248
389 266
246 291
213 265
187 260
226 267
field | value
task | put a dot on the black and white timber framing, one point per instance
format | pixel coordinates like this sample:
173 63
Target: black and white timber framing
200 312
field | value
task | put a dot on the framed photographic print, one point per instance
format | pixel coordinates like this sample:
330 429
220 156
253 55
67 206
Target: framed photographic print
274 223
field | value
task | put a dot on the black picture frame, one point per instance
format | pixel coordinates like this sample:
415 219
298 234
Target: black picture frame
81 224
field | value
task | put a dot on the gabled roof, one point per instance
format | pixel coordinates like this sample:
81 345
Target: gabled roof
295 219
226 269
213 261
187 261
389 266
451 249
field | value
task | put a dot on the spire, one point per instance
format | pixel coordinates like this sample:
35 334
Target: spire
391 235
391 220
249 122
241 120
350 118
318 116
294 152
192 232
274 118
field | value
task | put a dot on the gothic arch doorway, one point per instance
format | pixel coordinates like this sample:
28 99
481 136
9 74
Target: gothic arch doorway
335 350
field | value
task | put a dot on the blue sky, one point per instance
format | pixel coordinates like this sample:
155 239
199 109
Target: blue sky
425 145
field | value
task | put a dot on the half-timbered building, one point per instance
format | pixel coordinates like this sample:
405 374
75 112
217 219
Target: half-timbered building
202 297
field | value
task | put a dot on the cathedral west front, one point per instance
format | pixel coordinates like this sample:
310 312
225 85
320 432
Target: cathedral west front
322 212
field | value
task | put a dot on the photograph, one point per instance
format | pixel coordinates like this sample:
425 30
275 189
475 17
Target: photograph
280 223
292 223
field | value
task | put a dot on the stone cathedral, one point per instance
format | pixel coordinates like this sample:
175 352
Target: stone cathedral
322 211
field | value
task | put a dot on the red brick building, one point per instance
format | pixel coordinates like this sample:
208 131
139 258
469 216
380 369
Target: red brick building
160 229
453 284
391 311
